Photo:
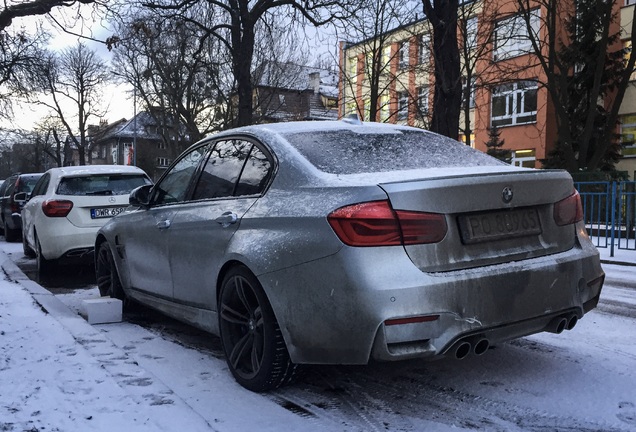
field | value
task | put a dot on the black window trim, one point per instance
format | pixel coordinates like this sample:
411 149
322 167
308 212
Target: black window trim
199 169
241 137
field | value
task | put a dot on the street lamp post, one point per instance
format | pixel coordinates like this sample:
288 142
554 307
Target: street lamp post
135 125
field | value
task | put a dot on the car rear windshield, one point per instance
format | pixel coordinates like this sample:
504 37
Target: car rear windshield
112 184
27 183
349 152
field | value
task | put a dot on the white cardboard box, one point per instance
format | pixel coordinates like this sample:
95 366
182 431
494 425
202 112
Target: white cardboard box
103 310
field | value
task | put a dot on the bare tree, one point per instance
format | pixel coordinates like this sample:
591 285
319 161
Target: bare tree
22 151
475 25
17 9
442 15
72 83
19 53
173 67
236 28
370 71
586 75
47 135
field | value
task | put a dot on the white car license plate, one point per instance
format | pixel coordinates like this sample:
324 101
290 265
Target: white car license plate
499 225
106 212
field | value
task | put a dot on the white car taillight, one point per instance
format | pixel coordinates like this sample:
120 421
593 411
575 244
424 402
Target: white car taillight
57 208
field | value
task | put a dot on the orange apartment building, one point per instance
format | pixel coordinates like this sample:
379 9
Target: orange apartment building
505 89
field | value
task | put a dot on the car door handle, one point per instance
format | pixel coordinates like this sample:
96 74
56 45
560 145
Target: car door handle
164 224
227 219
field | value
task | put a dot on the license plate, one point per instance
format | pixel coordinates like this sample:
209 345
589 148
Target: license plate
106 212
492 226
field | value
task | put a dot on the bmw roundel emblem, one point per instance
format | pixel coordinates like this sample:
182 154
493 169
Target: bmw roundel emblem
506 194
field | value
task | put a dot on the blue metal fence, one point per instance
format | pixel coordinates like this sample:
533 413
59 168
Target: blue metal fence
609 210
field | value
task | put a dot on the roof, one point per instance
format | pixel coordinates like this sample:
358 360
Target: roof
312 126
142 125
291 76
95 169
135 127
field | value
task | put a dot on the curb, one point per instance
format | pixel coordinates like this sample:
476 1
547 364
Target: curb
621 263
124 370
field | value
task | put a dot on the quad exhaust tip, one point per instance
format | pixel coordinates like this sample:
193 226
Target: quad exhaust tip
462 350
477 345
563 322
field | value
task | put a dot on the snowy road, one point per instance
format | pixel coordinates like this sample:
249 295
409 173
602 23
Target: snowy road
580 380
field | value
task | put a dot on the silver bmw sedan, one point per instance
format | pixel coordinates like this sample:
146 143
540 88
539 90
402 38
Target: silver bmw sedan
342 242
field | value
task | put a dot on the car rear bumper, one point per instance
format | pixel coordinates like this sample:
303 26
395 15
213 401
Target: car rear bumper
63 241
334 310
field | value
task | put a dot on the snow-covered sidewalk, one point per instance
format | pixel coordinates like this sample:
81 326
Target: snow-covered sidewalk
621 256
73 378
58 373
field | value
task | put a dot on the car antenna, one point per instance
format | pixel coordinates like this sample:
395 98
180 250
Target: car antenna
352 119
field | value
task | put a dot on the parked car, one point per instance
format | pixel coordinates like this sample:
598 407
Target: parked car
343 242
3 187
67 207
10 207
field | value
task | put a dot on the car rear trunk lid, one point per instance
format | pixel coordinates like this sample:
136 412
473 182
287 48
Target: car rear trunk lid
492 218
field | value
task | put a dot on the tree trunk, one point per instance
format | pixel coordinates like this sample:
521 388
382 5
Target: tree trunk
448 88
242 55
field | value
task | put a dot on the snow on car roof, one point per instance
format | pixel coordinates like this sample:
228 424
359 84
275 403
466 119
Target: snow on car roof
95 169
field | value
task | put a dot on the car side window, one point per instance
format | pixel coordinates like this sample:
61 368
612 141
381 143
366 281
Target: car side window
173 186
255 175
221 173
10 186
41 186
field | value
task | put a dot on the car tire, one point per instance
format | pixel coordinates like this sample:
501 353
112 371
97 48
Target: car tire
108 280
44 266
28 252
11 235
254 347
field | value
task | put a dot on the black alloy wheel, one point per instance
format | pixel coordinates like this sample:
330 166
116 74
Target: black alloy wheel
107 277
10 235
254 347
44 265
28 252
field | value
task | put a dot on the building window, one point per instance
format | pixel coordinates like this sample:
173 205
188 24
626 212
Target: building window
404 55
628 136
353 67
422 101
471 33
403 105
114 153
162 145
511 38
386 55
129 154
514 103
423 55
384 108
350 108
163 162
524 158
471 100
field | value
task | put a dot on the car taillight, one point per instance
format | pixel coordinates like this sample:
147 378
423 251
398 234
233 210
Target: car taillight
375 223
57 208
568 210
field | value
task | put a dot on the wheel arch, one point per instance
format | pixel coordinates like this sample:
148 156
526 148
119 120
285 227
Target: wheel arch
98 242
223 271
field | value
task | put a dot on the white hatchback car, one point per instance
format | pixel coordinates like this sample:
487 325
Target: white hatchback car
68 205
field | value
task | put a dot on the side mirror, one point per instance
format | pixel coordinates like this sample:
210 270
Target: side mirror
140 196
21 197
